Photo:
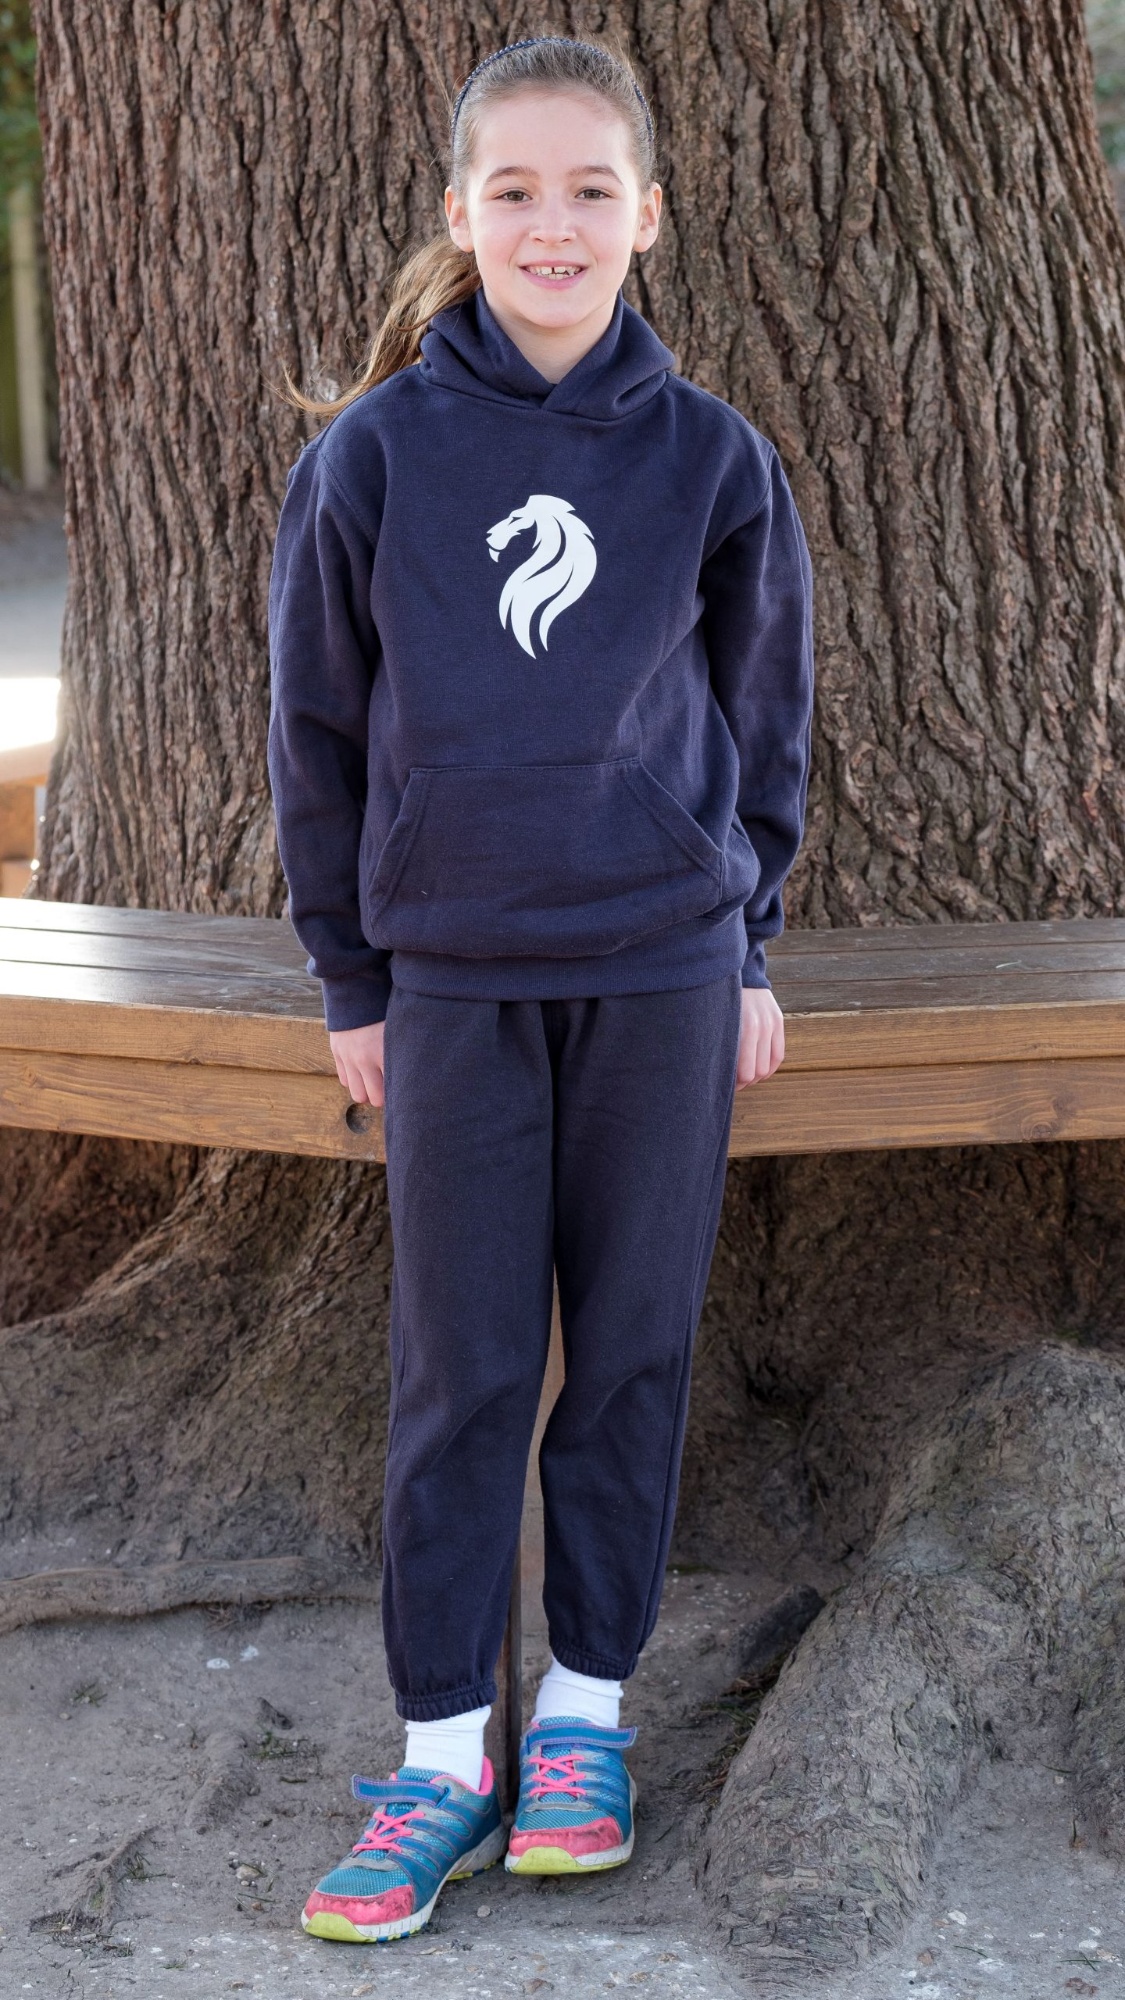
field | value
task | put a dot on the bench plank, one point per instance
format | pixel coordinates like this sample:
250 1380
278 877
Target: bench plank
890 1028
203 992
939 1104
166 957
218 1021
32 913
209 1031
258 935
148 1031
878 938
800 1112
272 1111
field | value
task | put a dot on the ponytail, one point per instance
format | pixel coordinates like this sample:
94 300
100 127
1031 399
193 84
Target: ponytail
438 275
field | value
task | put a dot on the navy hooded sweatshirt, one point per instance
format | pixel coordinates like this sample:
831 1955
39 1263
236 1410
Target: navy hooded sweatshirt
542 675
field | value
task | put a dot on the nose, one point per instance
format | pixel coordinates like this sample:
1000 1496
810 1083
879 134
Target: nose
554 223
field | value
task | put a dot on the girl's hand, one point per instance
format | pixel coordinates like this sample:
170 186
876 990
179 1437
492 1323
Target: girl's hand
761 1044
358 1055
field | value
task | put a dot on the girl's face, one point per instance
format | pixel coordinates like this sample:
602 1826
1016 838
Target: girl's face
553 210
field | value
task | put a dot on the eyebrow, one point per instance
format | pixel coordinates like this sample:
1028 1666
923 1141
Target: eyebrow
529 173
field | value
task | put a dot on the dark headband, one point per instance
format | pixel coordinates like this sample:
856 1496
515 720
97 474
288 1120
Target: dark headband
530 41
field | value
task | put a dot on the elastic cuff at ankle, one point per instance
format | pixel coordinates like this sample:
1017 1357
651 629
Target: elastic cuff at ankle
439 1707
599 1666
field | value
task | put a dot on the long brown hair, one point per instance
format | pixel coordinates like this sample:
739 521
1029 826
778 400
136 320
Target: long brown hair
439 274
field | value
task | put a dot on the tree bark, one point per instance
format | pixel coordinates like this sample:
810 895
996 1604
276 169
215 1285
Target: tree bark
890 240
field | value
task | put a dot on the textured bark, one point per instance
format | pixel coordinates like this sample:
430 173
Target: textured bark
890 240
973 1632
230 187
908 270
850 1298
179 1382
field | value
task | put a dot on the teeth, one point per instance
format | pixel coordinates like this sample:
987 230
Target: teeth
555 270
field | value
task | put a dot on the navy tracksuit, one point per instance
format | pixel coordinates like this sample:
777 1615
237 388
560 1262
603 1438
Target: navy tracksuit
541 661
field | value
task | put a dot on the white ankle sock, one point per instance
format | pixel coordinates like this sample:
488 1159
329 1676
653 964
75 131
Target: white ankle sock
562 1692
453 1746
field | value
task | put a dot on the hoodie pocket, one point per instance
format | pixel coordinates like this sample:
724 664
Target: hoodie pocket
544 860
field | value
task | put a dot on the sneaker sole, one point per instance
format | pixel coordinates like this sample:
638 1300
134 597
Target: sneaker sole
559 1860
341 1930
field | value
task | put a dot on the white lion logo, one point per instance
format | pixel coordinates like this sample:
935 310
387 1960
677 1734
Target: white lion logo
556 572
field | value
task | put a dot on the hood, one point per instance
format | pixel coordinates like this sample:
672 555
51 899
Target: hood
466 349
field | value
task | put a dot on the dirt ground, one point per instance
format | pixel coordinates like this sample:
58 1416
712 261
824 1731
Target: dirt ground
114 1729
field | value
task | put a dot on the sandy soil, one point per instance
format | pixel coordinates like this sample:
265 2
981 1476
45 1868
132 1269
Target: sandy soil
109 1730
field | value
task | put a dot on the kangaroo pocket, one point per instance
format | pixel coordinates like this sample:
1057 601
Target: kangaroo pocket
545 860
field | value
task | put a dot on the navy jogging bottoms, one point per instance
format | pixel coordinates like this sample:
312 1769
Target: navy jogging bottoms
589 1135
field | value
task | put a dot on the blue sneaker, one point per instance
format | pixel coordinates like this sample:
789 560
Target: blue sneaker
424 1831
575 1809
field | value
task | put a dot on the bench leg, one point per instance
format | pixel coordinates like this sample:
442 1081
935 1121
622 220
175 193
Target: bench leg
502 1731
505 1724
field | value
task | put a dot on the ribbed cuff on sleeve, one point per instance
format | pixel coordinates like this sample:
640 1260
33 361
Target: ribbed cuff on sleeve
754 967
357 1002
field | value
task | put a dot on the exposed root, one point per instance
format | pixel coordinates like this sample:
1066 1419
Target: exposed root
766 1643
231 1779
978 1627
89 1917
763 1649
53 1595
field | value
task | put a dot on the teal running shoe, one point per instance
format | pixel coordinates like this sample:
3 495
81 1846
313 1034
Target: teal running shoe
575 1811
424 1831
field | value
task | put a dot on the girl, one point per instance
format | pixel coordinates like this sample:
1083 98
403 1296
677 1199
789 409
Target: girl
542 678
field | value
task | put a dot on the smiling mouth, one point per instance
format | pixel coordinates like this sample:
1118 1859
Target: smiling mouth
554 270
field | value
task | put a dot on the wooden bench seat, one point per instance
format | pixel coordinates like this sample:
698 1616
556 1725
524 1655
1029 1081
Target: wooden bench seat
140 1024
208 1030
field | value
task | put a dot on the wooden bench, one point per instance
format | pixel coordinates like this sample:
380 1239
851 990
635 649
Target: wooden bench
208 1030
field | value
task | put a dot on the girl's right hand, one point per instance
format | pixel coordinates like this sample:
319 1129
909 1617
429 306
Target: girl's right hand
358 1055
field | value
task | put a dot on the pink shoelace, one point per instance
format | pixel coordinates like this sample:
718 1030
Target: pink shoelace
556 1774
386 1830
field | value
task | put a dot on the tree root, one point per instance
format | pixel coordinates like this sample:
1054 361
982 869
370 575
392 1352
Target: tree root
985 1623
231 1779
771 1637
54 1595
89 1917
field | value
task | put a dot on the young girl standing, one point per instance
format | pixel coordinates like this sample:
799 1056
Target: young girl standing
542 680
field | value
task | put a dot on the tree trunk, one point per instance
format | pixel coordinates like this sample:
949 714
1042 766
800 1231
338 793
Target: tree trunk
890 240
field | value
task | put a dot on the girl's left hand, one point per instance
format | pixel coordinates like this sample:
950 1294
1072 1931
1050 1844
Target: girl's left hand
358 1056
761 1044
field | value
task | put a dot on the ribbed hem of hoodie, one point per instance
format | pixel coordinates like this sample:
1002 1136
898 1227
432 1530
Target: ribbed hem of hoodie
684 956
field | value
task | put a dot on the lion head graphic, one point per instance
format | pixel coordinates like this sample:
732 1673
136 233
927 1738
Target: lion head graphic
556 572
